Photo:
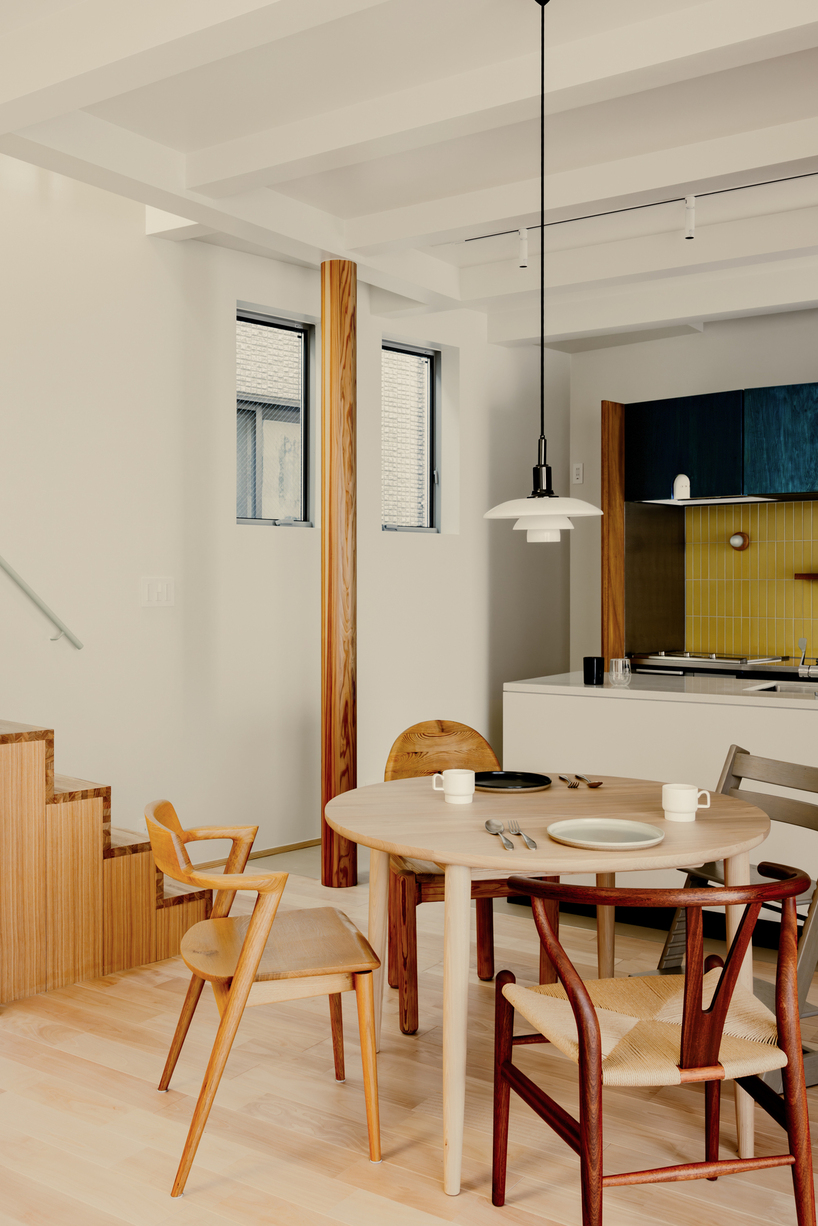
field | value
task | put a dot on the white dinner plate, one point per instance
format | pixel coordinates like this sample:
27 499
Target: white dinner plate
605 833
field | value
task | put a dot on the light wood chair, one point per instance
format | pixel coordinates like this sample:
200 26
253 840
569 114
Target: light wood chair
703 1027
739 766
425 749
316 952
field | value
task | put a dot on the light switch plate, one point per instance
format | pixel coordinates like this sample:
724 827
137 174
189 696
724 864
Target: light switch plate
156 591
578 474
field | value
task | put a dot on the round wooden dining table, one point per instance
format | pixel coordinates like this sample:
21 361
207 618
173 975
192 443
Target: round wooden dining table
407 817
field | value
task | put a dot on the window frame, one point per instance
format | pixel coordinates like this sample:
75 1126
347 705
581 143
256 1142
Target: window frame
434 434
306 330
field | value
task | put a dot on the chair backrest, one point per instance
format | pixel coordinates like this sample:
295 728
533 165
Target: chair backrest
701 1027
167 840
437 745
740 765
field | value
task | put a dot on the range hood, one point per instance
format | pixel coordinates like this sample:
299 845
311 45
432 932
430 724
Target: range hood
681 497
706 502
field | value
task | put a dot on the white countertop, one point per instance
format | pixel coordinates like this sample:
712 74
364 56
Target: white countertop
729 691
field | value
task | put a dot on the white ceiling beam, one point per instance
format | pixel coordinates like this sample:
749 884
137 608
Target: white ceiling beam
88 52
448 220
159 224
94 151
763 289
727 161
725 34
677 46
491 96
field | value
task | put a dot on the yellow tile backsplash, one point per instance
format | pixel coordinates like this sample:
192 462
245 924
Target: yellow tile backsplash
748 603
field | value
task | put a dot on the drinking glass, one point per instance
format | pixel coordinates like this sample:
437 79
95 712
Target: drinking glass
620 672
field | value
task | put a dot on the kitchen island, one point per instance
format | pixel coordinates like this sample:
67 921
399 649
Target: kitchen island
676 729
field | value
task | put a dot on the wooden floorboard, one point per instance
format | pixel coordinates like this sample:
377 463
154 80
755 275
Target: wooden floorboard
86 1138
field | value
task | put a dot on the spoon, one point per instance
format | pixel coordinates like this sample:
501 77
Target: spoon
592 783
495 827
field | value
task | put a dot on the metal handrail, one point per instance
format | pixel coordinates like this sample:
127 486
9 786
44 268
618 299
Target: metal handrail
41 605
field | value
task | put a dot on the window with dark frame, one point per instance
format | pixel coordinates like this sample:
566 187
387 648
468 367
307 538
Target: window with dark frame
410 480
271 420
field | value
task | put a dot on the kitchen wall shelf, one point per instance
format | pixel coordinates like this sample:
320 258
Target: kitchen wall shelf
805 576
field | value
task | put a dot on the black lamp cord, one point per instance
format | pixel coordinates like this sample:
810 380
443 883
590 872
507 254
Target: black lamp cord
542 473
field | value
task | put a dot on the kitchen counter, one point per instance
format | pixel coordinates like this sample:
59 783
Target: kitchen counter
672 729
656 687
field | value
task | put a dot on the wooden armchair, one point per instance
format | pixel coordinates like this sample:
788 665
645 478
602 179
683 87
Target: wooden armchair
740 765
661 1031
425 749
315 952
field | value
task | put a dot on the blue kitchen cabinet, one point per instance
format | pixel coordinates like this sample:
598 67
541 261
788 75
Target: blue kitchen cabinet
697 435
781 439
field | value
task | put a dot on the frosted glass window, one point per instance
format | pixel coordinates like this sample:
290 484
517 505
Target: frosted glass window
408 476
270 421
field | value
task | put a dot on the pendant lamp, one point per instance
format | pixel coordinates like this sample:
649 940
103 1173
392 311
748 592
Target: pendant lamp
543 514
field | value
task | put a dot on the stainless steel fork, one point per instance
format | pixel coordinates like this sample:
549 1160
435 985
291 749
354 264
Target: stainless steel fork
514 828
572 783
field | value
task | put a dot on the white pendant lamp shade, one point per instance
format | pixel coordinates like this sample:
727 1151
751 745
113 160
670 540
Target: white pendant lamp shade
542 519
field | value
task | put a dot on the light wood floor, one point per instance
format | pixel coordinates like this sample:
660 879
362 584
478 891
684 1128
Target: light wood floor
86 1140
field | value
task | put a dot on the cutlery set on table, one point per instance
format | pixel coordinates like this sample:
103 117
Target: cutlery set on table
597 833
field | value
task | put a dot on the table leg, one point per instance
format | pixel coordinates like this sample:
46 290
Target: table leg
737 872
455 1019
605 917
378 915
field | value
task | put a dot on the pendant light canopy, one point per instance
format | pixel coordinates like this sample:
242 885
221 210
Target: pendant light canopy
542 520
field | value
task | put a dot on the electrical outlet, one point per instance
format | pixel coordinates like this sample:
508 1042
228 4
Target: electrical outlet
156 591
578 474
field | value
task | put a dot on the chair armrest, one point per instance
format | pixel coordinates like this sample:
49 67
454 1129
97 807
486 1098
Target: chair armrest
590 1039
261 883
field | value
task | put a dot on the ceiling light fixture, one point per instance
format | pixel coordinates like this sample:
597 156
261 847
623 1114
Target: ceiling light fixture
541 520
522 255
690 216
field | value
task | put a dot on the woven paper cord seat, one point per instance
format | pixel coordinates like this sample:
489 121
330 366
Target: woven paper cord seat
640 1022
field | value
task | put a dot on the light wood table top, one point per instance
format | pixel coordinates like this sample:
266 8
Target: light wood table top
408 818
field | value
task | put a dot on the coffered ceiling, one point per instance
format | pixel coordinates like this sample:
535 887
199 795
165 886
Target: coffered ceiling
392 131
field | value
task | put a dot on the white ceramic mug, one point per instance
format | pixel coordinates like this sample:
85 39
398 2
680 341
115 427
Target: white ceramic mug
680 801
457 786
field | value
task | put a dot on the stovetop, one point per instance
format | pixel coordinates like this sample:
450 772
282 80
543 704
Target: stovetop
693 657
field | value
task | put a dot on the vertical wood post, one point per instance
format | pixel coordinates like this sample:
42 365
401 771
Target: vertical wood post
613 530
339 866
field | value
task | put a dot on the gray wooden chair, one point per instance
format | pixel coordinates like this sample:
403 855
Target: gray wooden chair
740 765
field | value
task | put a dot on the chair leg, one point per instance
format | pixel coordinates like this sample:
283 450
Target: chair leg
796 1107
712 1105
485 938
225 1035
194 991
336 1018
365 997
393 940
407 951
503 1032
590 1134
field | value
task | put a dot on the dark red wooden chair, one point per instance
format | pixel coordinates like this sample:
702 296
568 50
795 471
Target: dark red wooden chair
663 1030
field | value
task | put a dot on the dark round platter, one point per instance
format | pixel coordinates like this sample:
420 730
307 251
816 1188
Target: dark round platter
510 781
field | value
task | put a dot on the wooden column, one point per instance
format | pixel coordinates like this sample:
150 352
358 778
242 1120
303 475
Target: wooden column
339 865
613 530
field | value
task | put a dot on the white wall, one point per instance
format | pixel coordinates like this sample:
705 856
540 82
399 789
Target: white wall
117 459
761 351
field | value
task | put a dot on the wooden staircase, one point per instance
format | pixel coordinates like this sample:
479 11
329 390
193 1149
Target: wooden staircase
78 899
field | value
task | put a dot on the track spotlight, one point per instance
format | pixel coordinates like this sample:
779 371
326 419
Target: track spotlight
522 256
690 216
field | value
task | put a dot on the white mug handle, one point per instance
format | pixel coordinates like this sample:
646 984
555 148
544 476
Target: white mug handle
434 783
702 792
